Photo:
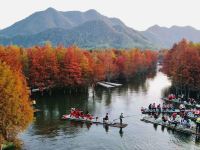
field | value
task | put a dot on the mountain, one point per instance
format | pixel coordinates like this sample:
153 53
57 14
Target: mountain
87 29
91 34
90 29
165 37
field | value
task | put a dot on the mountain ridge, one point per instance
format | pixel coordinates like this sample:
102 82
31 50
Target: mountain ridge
90 29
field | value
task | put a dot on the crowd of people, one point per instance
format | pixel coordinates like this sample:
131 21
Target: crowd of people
74 112
182 99
176 115
158 108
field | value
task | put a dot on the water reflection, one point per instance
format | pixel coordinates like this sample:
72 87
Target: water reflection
121 132
48 131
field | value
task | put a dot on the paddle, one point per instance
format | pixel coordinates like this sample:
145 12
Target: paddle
124 117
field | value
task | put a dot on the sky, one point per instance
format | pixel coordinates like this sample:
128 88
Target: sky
138 14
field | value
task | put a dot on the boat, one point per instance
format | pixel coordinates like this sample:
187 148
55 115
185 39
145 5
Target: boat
105 85
147 111
178 128
94 121
113 84
179 102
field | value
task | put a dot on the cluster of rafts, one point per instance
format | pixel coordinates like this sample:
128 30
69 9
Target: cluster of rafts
191 112
78 115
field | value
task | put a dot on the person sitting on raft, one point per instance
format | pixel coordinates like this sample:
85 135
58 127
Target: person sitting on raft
164 108
105 119
164 119
150 106
182 107
154 107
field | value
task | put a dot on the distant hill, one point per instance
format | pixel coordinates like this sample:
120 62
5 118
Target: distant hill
90 29
87 29
165 37
92 34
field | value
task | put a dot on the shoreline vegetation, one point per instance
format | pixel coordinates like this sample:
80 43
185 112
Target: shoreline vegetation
73 68
182 64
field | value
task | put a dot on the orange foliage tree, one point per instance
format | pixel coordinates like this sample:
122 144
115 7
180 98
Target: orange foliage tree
47 67
15 108
182 64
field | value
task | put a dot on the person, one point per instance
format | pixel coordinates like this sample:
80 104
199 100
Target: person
106 118
159 108
154 107
155 115
120 117
174 115
150 106
164 119
164 108
198 125
182 107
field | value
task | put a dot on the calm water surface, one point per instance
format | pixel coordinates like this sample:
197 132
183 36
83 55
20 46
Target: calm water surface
48 132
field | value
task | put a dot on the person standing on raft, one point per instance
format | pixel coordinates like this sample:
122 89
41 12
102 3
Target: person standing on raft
121 117
105 120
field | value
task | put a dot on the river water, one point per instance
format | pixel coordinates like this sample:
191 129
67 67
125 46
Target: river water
49 132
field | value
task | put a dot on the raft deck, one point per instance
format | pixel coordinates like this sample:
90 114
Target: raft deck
178 129
178 102
111 124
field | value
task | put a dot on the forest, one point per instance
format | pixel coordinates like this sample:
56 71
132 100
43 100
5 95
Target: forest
47 67
182 64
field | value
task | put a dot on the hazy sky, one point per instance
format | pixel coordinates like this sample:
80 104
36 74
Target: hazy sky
138 14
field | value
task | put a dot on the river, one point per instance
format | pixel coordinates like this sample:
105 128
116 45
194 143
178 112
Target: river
49 132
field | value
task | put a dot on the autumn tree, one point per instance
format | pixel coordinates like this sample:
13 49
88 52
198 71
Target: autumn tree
43 67
15 109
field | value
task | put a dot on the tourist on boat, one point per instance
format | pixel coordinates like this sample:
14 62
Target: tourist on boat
155 116
154 107
159 108
171 97
182 107
120 118
172 120
105 119
164 119
197 112
164 108
174 115
72 112
150 106
82 115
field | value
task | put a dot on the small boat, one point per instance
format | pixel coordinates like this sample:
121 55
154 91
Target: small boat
178 128
94 121
179 102
147 111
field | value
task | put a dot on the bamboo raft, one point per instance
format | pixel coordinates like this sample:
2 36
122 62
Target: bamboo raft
93 121
178 102
147 111
177 128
